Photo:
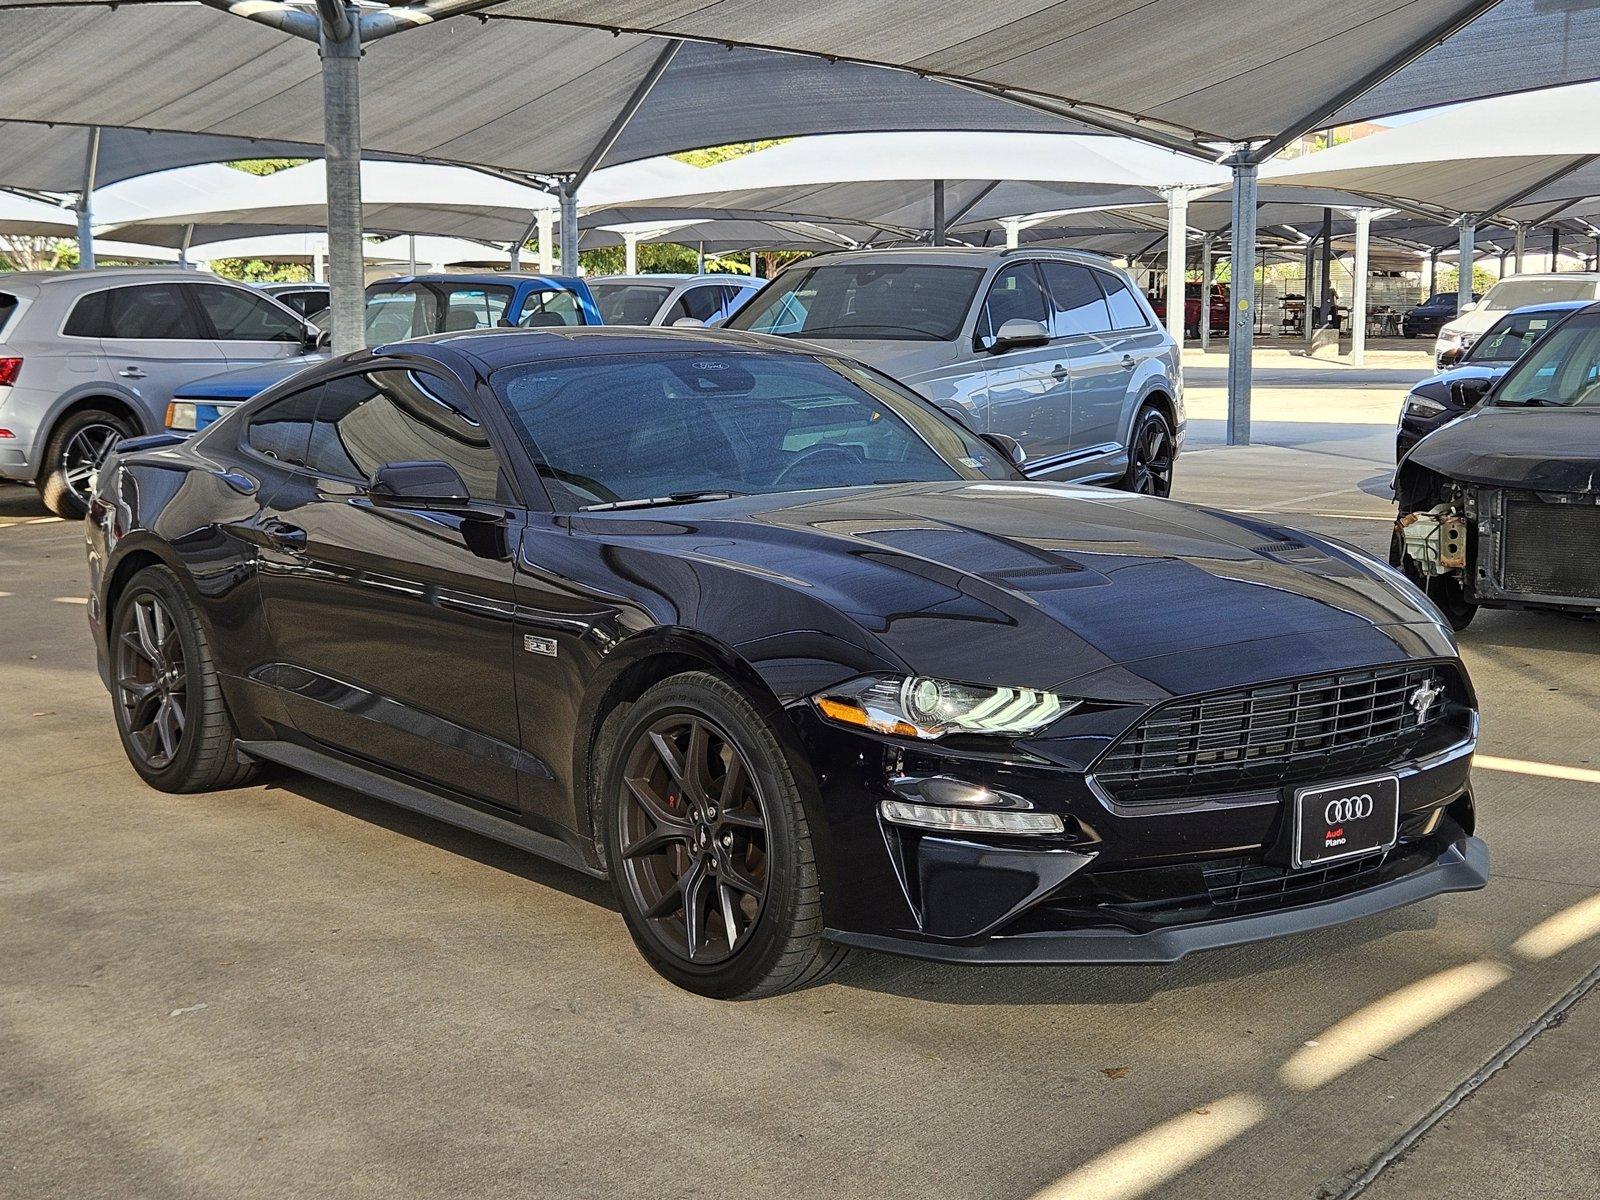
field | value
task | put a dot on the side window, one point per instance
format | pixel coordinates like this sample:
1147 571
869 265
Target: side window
704 303
1076 303
238 316
1016 294
146 312
366 421
554 307
1126 312
282 430
473 308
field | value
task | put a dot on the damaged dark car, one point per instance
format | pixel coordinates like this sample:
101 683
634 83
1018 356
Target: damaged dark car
1501 508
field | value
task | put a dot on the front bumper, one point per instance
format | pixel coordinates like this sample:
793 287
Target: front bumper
1462 866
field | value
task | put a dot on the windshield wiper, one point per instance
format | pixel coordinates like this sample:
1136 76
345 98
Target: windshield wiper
661 501
1534 402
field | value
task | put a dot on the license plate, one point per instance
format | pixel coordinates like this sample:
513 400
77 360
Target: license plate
1344 820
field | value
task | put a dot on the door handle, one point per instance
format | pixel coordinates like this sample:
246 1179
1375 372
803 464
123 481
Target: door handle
131 373
284 535
1059 371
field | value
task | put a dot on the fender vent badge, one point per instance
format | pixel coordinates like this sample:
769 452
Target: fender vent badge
539 645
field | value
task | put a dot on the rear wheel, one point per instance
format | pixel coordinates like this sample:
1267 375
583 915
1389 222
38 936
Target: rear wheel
1151 453
165 693
708 846
76 447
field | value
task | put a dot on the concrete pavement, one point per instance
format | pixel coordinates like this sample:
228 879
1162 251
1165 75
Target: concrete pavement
293 990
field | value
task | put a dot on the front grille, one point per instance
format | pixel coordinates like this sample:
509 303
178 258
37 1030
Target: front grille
1552 549
1273 734
1245 885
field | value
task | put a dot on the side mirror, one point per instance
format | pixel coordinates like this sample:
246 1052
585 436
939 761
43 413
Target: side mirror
1016 333
1468 306
1008 446
419 485
1469 392
322 340
1451 357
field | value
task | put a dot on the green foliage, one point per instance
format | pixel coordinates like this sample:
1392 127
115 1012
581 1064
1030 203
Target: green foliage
255 270
712 155
267 166
1450 279
661 258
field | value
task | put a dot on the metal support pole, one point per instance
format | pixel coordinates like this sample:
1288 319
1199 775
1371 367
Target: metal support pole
85 207
547 234
754 266
1358 302
1177 261
569 231
1520 245
1327 305
1504 254
1433 274
1469 232
938 212
183 250
700 260
1555 249
411 251
341 131
1206 247
1013 234
630 253
1308 320
1242 318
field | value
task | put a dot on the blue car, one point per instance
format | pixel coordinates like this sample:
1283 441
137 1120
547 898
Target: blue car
1440 399
398 309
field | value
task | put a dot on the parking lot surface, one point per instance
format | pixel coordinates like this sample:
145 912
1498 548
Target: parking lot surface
292 990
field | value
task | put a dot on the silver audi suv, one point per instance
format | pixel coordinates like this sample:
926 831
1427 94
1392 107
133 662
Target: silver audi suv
90 357
1056 350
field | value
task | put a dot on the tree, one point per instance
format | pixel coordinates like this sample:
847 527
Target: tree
34 253
267 166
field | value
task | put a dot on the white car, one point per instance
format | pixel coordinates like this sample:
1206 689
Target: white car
1515 291
668 299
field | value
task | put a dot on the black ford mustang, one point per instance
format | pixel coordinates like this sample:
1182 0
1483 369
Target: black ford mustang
787 654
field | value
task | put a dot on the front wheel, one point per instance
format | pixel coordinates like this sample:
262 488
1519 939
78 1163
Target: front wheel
1151 452
708 846
1446 591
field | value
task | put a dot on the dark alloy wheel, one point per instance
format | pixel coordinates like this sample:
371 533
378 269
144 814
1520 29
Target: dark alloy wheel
693 838
76 448
166 695
707 842
1150 455
152 682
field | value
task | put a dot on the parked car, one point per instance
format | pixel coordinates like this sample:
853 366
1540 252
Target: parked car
87 357
668 299
1427 318
1501 508
1191 308
1515 291
310 300
791 657
406 307
1440 399
1055 349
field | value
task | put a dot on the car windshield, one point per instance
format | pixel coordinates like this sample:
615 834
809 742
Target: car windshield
629 303
896 302
1562 371
1520 293
396 312
618 428
1509 337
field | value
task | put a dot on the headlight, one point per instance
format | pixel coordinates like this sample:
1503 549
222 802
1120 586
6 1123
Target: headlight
1422 406
919 707
182 417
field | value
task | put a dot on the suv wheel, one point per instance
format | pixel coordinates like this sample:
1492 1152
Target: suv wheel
165 693
708 847
76 447
1151 451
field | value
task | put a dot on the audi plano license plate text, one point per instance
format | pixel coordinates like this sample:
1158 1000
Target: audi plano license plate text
1343 820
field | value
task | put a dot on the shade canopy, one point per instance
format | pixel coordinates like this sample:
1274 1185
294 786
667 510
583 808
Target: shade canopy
21 216
438 253
886 179
1522 151
301 248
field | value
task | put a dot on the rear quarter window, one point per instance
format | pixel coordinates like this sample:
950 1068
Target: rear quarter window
8 309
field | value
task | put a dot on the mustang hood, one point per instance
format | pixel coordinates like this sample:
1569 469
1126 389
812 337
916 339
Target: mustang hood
1537 449
1043 584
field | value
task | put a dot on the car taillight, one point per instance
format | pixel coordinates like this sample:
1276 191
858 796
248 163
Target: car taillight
8 371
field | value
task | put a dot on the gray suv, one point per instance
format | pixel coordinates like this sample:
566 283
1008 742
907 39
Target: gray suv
668 299
89 357
1056 350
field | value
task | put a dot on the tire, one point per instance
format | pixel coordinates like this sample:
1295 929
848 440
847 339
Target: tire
64 476
161 659
1152 453
735 844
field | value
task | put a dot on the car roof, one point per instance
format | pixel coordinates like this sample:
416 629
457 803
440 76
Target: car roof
1564 276
674 278
1552 306
100 276
956 256
480 278
497 348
